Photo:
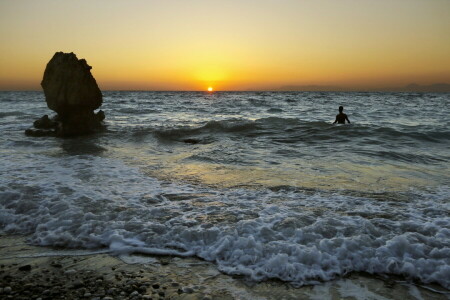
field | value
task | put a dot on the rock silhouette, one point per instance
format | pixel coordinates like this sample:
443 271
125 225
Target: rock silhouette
72 92
69 85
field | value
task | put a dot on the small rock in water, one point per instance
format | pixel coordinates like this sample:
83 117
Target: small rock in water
77 284
101 292
45 123
56 265
39 132
142 289
188 290
25 268
191 141
70 272
7 290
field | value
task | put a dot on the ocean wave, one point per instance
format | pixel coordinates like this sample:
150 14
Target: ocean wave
293 130
138 111
12 113
227 126
234 126
406 157
94 202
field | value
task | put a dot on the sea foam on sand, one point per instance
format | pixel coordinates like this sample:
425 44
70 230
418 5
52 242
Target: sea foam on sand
298 237
77 274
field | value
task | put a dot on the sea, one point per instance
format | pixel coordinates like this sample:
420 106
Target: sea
261 184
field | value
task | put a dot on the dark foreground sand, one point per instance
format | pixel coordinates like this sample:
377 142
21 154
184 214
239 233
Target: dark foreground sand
28 272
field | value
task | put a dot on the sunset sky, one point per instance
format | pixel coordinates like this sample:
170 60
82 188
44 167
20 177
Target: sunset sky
229 44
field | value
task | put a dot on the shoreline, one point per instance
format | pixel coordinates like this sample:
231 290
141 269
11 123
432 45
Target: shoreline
32 272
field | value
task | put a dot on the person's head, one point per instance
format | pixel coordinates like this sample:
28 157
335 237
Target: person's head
341 108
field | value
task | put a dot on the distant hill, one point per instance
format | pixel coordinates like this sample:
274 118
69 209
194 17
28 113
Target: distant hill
413 87
437 88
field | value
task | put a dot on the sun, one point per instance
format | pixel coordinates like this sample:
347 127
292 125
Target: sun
210 89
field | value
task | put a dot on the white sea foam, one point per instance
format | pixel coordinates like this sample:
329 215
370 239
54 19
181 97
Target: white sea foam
92 202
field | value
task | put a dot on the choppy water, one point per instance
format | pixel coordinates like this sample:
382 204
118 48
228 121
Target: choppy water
260 183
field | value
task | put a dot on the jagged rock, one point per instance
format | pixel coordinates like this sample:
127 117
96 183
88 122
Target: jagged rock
100 115
44 123
72 92
69 85
40 132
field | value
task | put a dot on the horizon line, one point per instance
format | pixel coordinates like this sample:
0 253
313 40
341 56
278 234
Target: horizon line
271 91
253 91
440 87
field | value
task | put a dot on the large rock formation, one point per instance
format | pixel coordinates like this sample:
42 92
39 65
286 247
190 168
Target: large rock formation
69 85
72 92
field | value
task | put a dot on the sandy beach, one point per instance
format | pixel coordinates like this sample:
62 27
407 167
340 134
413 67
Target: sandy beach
29 272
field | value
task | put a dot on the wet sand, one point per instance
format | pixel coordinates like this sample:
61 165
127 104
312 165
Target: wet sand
30 272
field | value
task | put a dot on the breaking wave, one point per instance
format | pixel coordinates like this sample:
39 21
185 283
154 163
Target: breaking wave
304 239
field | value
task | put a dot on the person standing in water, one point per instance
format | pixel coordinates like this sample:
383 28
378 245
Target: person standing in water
341 117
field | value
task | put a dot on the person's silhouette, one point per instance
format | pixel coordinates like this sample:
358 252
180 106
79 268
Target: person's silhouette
341 117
